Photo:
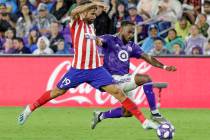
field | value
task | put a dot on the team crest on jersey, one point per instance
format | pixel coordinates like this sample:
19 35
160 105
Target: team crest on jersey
90 36
123 55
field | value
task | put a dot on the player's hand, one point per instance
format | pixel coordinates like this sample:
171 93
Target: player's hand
99 42
170 68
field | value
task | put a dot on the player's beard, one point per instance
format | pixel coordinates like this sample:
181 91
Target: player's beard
124 40
88 21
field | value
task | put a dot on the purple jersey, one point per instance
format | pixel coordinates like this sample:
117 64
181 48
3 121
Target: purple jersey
117 55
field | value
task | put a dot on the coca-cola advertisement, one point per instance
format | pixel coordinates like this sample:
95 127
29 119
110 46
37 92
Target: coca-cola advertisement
24 79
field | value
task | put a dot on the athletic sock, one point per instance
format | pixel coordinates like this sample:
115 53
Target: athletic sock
150 96
113 113
41 101
132 107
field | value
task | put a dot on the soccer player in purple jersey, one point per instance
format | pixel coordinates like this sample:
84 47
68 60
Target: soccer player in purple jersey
117 53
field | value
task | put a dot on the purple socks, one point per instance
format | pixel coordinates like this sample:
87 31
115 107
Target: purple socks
150 96
113 113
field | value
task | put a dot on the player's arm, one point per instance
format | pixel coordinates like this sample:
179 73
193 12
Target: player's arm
154 62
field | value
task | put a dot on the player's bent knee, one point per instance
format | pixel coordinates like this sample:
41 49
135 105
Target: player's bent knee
115 91
57 92
141 79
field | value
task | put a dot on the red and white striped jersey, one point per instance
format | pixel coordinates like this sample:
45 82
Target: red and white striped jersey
84 42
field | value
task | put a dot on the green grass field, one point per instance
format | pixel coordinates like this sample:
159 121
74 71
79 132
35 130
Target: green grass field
74 124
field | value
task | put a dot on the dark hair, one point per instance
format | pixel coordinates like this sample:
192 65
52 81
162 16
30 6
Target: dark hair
13 30
18 39
126 23
173 31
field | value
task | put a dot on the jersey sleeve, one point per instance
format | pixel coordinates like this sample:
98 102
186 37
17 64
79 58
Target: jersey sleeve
136 51
105 40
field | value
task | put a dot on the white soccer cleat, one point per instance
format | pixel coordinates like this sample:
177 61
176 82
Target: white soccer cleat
96 119
149 124
24 115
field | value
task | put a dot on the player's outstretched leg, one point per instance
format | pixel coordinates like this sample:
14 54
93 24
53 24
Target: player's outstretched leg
127 104
47 96
145 80
155 114
119 112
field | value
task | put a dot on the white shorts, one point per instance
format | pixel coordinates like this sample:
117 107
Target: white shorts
126 83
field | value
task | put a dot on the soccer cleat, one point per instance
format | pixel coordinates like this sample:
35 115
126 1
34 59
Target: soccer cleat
96 119
24 115
149 124
158 118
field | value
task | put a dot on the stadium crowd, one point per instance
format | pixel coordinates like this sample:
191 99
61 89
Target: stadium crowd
163 27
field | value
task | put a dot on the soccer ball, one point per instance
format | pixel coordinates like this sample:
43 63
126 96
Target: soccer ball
166 131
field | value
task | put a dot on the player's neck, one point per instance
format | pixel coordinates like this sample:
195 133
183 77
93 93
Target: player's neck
122 38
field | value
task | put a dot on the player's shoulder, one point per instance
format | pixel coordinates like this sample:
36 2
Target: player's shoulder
109 36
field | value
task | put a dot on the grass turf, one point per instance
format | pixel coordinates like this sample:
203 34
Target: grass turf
74 124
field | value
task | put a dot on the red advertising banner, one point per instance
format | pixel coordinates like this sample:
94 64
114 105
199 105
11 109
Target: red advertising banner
24 79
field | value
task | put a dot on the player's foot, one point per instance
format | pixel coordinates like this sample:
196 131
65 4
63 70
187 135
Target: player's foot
149 124
158 118
96 119
24 115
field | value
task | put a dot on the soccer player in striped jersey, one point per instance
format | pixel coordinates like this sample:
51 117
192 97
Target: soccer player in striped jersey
86 67
118 49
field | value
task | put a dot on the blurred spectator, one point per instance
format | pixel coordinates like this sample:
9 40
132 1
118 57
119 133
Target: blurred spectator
207 7
182 27
8 47
207 48
197 50
35 3
24 23
10 33
158 48
133 16
177 49
43 46
113 9
169 10
55 35
102 17
49 3
19 46
59 9
11 5
147 8
21 3
73 6
43 19
202 24
136 19
173 39
62 48
149 41
118 17
32 39
6 19
191 9
194 40
130 1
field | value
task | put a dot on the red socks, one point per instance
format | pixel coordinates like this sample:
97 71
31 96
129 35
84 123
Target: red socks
130 106
41 101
